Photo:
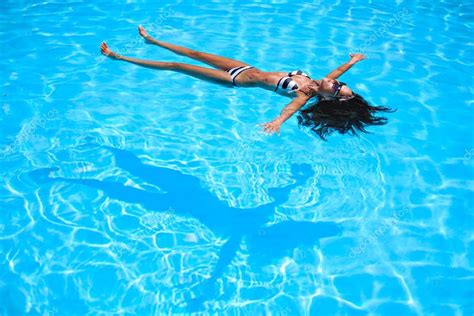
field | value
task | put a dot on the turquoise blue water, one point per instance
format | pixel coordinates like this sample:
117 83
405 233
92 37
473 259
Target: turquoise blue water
127 191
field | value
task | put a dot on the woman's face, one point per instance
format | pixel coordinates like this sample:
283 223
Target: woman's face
327 88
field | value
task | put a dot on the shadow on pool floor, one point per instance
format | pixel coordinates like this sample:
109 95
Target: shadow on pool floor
186 196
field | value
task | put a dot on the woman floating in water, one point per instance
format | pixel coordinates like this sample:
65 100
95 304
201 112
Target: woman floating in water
336 108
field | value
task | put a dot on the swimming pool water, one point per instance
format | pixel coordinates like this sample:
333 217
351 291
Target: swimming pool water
131 191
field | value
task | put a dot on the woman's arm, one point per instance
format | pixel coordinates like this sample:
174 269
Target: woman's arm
336 73
285 114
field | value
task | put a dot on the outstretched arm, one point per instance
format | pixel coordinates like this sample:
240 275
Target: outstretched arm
336 73
286 113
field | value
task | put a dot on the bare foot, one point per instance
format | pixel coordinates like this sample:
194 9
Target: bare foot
105 50
144 34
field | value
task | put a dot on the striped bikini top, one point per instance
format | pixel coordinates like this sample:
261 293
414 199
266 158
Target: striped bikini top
287 85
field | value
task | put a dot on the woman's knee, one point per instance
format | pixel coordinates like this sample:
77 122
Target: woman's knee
194 53
173 65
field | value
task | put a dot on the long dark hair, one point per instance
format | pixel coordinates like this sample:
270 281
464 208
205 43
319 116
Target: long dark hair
346 116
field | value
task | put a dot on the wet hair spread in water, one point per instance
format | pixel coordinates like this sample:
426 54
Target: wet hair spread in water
345 116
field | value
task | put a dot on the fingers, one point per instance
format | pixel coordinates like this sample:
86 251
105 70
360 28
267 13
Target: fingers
266 127
103 47
270 129
362 56
269 132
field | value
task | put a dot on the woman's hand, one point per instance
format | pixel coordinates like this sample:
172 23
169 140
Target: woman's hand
356 58
272 127
285 114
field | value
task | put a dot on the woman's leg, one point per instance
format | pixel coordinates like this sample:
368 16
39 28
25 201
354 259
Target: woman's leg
216 61
212 75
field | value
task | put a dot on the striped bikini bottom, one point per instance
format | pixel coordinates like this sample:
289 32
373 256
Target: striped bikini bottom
235 72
